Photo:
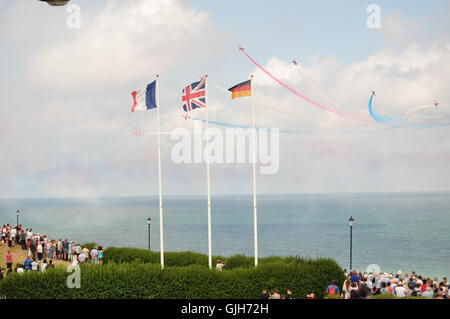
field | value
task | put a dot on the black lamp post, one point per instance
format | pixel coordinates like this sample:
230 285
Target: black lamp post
18 213
149 221
350 224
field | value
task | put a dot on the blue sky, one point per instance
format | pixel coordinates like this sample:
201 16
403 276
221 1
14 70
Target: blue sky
303 29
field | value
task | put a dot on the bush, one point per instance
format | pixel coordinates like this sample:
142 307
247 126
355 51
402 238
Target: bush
121 255
138 280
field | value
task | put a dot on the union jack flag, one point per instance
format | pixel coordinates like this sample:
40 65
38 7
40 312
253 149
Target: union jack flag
194 95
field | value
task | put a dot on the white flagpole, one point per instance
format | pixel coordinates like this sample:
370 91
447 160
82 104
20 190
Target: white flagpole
255 212
208 176
161 221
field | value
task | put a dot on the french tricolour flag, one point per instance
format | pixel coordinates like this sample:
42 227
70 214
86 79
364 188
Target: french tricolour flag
144 99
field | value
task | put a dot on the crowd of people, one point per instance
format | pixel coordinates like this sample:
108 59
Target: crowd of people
42 250
365 285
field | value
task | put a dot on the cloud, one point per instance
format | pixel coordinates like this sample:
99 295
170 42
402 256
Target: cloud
124 43
65 121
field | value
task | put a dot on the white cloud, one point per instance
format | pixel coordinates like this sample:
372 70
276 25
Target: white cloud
65 123
124 43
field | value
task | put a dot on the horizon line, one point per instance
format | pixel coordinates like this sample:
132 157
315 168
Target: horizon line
226 194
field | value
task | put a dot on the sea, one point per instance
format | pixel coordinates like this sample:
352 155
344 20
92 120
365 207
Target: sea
391 231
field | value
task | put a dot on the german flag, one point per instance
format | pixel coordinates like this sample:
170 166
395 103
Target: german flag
241 89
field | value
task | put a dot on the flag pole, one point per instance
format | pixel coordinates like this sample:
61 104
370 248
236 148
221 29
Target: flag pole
208 176
161 222
255 212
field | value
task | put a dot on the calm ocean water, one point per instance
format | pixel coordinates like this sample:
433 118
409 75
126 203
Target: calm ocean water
407 231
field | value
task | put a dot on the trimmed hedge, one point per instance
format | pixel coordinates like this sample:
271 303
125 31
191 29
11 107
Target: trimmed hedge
138 280
187 258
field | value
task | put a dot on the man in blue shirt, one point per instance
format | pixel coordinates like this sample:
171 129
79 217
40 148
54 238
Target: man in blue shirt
27 263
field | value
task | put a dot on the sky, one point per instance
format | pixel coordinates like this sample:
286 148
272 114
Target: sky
66 126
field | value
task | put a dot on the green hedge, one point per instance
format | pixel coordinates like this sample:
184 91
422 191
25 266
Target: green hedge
187 258
138 280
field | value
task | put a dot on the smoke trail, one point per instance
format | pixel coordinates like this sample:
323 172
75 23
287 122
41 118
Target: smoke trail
415 110
323 107
298 132
381 118
311 83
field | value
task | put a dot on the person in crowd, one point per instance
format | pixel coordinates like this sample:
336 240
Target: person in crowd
27 263
34 265
100 255
9 259
23 239
69 251
354 277
82 258
40 251
354 291
33 249
400 290
94 255
364 290
74 259
19 269
264 294
85 251
346 288
65 245
289 294
78 249
3 233
50 265
275 295
332 289
220 264
44 265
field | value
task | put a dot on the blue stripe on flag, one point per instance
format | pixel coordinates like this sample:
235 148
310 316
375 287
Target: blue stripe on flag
150 95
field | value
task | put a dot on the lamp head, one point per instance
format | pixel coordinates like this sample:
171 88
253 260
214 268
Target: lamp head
351 221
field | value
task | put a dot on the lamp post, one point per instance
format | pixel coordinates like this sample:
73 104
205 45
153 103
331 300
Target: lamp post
17 213
350 224
149 222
